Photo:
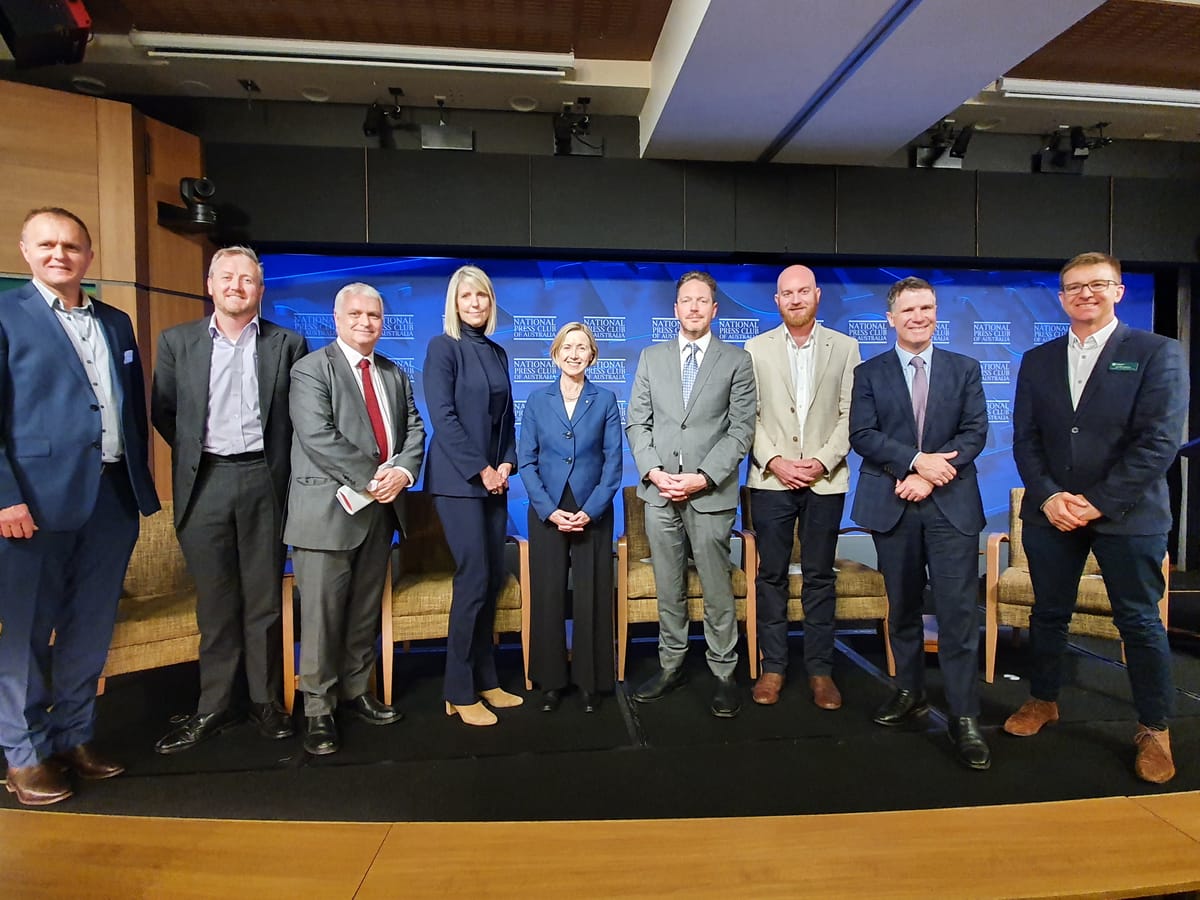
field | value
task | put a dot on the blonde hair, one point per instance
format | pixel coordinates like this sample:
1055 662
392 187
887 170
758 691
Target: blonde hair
453 325
561 337
236 251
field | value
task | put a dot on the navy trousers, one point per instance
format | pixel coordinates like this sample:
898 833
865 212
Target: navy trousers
475 530
67 583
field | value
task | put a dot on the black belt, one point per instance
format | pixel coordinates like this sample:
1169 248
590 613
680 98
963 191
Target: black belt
233 457
105 466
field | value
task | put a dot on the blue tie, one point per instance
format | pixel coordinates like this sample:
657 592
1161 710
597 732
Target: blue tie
689 372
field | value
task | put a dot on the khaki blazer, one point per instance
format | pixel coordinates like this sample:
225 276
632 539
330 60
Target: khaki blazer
826 427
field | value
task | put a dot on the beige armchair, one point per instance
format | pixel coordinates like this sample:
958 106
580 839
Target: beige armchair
1009 592
861 593
156 619
637 598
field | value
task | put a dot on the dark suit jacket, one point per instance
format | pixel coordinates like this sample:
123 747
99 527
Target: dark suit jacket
583 451
1114 449
334 445
883 431
179 401
465 440
49 419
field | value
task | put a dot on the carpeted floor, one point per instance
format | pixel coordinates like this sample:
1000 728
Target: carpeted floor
668 759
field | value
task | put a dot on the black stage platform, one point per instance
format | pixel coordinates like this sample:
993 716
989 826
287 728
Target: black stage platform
669 759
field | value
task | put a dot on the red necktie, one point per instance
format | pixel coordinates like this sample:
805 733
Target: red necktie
373 411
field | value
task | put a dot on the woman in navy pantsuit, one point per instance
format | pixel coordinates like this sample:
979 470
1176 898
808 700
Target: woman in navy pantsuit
471 454
570 457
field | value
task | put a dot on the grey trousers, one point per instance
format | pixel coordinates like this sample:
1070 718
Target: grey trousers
670 530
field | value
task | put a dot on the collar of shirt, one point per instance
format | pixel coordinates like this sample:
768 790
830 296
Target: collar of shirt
1097 340
353 356
808 345
906 357
55 302
701 344
216 332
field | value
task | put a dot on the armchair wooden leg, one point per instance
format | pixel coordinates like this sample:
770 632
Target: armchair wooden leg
289 643
387 646
100 684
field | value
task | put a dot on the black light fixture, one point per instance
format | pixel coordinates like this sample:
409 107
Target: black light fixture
572 131
1067 149
942 147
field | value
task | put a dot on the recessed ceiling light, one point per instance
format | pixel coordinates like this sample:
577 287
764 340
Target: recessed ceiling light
85 84
315 94
989 124
522 103
195 88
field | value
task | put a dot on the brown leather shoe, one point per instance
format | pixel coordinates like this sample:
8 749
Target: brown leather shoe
38 785
825 693
767 688
86 763
1029 719
1154 762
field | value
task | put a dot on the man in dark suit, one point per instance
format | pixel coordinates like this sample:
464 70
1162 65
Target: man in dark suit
73 477
918 419
690 423
357 430
220 399
1097 421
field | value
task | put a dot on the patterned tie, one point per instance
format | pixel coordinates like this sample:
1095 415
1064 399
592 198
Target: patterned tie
920 395
689 372
373 411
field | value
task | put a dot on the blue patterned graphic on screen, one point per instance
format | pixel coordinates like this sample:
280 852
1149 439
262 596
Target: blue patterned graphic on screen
992 315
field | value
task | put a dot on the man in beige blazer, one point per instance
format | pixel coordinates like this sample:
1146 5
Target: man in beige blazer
798 473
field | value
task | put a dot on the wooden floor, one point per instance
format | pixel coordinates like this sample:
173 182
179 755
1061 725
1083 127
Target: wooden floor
1110 847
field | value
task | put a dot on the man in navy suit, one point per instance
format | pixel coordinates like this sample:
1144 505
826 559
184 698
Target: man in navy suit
1097 421
73 477
918 419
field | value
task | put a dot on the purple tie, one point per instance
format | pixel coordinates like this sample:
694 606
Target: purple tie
920 395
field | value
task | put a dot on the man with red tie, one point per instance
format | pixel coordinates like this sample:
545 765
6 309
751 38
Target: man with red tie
358 445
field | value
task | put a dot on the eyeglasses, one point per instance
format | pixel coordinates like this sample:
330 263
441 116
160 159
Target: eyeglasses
1096 287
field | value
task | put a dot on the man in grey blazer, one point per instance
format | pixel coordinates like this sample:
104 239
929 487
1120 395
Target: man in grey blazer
220 399
357 431
690 422
798 474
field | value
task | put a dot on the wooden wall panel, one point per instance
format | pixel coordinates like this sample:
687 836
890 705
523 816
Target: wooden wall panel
47 158
175 261
118 165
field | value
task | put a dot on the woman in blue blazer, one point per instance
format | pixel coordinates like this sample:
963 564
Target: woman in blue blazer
570 458
471 454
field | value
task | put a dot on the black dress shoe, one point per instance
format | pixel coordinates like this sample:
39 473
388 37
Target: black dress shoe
372 711
660 685
551 699
271 721
725 702
320 735
195 729
969 745
902 706
591 702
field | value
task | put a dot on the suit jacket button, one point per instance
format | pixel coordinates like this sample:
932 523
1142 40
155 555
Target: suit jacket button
96 444
683 428
795 439
568 459
568 434
95 407
1075 429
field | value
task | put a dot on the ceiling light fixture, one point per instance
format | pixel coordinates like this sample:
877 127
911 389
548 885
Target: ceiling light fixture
171 45
1090 92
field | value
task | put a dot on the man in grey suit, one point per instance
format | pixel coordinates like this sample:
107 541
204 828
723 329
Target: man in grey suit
220 399
359 443
690 422
798 474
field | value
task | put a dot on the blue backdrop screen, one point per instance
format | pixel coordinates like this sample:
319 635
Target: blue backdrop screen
992 315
